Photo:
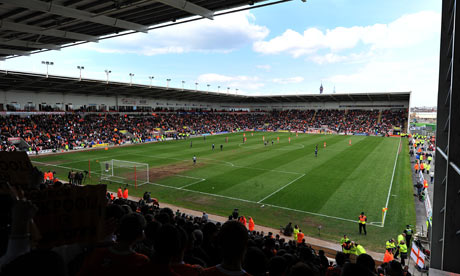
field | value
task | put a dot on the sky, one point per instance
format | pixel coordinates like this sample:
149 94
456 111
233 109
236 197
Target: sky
348 46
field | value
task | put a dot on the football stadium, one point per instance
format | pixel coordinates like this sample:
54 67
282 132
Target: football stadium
108 177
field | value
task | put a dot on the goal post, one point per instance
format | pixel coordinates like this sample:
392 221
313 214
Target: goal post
125 172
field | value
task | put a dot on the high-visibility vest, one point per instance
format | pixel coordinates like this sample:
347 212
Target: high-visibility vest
400 238
353 250
251 225
296 232
362 219
409 231
390 245
119 193
425 183
416 167
422 166
243 221
360 250
300 237
125 194
403 248
388 257
344 240
346 248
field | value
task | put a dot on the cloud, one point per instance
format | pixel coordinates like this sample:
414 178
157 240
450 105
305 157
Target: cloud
288 80
390 75
336 58
265 67
408 30
224 34
239 82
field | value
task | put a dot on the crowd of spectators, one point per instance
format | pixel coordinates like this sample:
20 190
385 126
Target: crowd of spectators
147 240
69 130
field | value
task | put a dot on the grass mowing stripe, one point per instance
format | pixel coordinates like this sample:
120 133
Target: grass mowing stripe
282 157
243 183
254 202
281 188
323 180
222 163
366 188
293 202
242 175
391 183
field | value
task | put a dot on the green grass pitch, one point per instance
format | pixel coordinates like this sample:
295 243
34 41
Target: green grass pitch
275 183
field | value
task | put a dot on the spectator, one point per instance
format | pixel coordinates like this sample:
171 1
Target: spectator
288 230
232 238
235 213
119 259
336 270
366 261
255 262
177 263
204 217
323 261
351 269
71 131
277 266
36 262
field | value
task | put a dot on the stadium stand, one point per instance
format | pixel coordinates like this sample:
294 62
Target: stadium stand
71 130
180 244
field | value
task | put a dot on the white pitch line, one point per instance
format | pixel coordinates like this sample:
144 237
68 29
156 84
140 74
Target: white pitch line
196 182
124 183
58 166
102 158
262 169
229 163
315 214
254 202
224 163
186 176
204 193
221 196
283 148
268 170
391 183
281 188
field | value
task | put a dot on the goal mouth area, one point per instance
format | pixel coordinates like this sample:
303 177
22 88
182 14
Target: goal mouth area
124 172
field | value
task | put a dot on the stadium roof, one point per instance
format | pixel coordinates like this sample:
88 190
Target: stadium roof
21 81
29 26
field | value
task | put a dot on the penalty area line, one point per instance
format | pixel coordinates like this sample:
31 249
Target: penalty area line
193 183
281 188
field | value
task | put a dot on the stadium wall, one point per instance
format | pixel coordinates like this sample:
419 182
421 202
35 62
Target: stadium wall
368 105
22 99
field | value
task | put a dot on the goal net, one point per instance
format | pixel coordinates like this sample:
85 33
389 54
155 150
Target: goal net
125 172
